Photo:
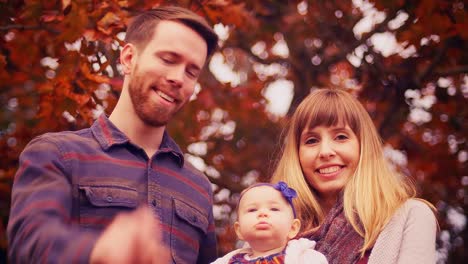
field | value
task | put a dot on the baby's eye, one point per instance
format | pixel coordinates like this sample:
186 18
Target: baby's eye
251 210
274 209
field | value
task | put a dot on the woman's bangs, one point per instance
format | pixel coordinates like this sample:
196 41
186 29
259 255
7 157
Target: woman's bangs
328 108
327 112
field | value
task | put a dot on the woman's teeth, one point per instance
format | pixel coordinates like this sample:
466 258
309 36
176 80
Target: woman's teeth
329 169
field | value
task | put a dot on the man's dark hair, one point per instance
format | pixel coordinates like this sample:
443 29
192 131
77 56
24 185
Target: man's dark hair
142 26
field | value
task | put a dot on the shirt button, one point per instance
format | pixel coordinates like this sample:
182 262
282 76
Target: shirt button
109 198
153 203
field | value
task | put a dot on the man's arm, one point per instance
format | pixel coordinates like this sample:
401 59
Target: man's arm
41 227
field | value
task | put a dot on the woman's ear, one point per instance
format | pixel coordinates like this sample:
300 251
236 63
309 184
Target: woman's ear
295 228
127 57
238 232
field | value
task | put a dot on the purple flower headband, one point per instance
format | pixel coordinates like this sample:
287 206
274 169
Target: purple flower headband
287 192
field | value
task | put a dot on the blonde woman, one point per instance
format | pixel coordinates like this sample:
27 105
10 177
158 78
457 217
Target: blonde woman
357 208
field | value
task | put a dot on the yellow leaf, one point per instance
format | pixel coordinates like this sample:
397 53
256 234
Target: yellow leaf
123 3
105 24
65 4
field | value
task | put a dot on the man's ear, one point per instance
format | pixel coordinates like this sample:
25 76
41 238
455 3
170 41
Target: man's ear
295 228
238 232
127 57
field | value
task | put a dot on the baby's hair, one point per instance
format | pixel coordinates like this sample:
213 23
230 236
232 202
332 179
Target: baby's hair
287 192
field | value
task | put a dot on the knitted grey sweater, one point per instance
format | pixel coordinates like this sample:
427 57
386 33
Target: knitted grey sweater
409 237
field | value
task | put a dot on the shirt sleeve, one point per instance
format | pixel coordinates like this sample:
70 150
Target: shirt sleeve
419 235
208 248
41 228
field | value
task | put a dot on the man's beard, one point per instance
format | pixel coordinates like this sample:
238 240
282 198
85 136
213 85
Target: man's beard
151 113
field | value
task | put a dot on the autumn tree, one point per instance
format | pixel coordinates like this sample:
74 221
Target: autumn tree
406 61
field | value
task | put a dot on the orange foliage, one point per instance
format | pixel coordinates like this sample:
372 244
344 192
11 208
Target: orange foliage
81 37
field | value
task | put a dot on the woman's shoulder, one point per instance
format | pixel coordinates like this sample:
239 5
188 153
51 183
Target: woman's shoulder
409 235
416 209
413 211
417 203
412 214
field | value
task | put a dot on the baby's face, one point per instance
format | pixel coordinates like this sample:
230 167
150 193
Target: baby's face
265 217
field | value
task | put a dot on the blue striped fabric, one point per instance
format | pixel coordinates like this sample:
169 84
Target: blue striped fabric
70 185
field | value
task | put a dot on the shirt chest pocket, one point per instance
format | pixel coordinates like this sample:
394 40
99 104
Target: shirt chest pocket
188 229
100 204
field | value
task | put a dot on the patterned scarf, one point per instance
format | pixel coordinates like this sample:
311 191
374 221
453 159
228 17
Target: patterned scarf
336 238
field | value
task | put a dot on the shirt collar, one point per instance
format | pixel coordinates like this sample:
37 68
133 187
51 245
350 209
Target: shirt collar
168 145
108 135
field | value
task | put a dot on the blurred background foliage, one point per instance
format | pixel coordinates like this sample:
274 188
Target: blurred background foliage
406 61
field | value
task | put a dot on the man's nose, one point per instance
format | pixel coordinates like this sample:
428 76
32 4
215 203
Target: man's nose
175 76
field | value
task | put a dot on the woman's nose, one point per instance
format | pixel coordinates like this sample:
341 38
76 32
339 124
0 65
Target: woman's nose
326 149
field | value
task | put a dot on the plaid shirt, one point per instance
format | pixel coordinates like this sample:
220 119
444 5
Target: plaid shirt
70 185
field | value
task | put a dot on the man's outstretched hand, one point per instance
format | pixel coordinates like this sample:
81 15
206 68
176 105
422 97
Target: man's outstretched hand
131 238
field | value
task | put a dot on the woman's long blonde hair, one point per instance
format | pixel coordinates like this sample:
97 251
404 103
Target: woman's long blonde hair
375 191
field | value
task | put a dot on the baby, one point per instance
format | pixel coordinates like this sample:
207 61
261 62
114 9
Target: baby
267 222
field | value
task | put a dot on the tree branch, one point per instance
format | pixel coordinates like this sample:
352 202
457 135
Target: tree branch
378 28
452 71
247 50
222 183
20 27
27 27
436 61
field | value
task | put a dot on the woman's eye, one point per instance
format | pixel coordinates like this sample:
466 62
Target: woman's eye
342 137
311 141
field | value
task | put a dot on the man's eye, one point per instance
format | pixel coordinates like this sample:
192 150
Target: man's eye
167 60
192 74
